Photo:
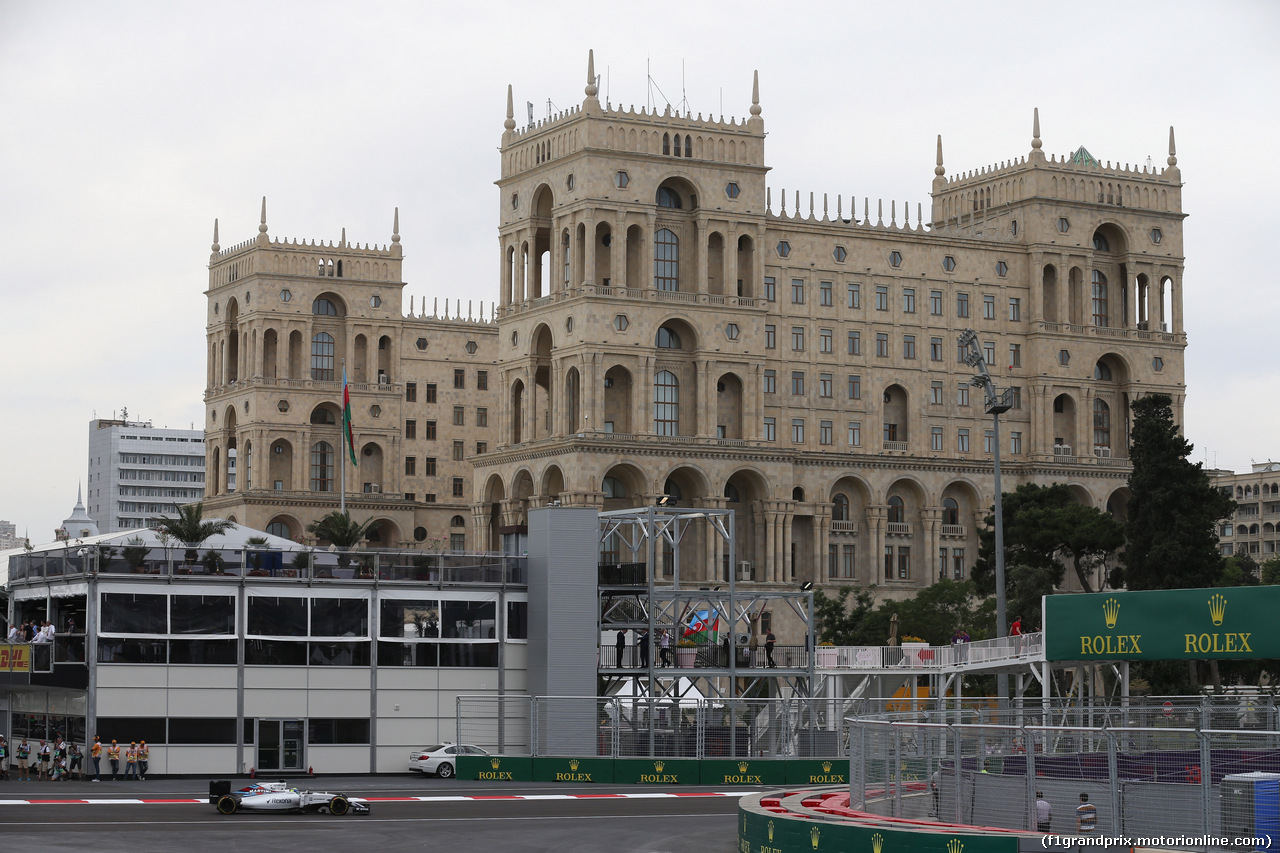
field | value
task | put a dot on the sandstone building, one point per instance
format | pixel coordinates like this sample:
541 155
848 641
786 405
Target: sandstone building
666 326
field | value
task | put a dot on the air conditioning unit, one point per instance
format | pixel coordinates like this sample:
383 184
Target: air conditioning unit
1062 450
744 570
372 489
744 639
383 379
1102 452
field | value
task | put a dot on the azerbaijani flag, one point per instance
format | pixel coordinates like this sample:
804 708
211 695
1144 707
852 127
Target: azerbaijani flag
703 627
346 419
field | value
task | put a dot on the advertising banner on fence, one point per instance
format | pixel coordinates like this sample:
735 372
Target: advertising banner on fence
15 658
1173 624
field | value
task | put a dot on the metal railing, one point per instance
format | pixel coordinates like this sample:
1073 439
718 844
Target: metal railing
177 561
637 726
1151 776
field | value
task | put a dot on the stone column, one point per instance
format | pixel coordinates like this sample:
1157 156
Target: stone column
931 519
700 240
821 540
618 251
788 570
731 261
877 516
589 250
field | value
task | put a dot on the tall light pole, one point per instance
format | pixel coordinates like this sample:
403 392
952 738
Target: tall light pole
994 403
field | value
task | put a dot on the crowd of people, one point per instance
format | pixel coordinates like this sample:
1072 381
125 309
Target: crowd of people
62 760
33 631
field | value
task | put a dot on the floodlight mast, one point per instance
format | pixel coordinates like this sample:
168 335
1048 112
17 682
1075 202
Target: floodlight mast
994 403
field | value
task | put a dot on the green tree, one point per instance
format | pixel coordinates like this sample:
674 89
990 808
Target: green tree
191 528
338 528
1044 528
1270 571
1173 509
843 623
934 614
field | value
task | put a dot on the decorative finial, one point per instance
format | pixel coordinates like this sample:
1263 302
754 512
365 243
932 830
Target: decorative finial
591 88
1035 130
343 243
215 247
510 123
938 170
1173 151
395 227
755 93
262 223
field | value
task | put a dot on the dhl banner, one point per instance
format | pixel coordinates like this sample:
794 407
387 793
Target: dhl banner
1174 624
15 658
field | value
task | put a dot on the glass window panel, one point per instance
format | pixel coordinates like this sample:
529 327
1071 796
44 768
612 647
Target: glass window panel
339 654
130 613
201 730
282 617
339 617
202 651
471 620
339 730
202 614
127 729
408 654
275 653
517 620
409 618
469 654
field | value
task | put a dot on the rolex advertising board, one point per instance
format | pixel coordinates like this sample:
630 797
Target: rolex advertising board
1172 624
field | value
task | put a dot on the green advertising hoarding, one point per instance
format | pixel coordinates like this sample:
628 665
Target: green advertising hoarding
1173 624
762 832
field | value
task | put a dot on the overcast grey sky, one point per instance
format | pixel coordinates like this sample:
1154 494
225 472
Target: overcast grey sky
129 126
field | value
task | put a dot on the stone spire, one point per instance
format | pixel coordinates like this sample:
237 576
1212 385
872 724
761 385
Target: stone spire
1173 150
396 249
510 123
592 103
755 122
939 171
262 223
342 244
79 523
215 248
1036 153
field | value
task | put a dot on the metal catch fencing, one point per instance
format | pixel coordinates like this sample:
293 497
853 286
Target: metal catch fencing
640 727
1165 781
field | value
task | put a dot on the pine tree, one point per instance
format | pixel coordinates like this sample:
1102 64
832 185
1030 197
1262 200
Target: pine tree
1173 510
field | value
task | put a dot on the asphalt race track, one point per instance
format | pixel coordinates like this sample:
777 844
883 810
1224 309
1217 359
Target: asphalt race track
408 813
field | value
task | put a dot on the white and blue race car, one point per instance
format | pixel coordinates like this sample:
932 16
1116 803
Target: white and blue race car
282 797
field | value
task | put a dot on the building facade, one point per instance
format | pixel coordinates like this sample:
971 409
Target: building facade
1254 528
667 329
138 472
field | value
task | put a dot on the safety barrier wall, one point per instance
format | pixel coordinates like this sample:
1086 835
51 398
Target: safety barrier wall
650 771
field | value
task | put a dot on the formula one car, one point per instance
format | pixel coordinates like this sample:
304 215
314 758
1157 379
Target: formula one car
281 797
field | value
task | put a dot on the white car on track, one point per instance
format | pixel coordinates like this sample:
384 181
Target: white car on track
441 759
282 797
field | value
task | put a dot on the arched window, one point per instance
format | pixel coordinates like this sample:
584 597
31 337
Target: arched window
666 260
1099 299
1239 491
950 511
672 490
613 488
278 528
688 145
731 493
457 521
1101 424
666 403
668 197
668 339
897 510
840 508
321 415
797 494
322 356
324 307
1100 243
666 143
322 467
1102 372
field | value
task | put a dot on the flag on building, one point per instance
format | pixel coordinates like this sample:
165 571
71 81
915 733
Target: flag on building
703 627
348 438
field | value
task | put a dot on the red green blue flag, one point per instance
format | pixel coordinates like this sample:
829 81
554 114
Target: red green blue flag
346 420
703 627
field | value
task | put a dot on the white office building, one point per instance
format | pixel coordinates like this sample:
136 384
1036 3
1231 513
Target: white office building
138 472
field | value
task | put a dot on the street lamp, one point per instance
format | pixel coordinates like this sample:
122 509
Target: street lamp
994 403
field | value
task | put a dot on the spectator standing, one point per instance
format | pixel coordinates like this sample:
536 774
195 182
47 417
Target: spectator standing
131 761
96 753
75 760
14 635
621 645
1086 816
934 781
643 642
44 757
1015 631
769 641
4 758
113 756
1044 813
960 639
144 760
24 755
664 648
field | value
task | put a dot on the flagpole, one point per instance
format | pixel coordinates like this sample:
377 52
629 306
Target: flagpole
342 454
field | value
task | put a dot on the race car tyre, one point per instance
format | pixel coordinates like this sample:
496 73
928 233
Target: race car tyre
445 770
227 804
339 806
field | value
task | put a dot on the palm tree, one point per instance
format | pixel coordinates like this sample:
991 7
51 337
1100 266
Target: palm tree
191 528
337 528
